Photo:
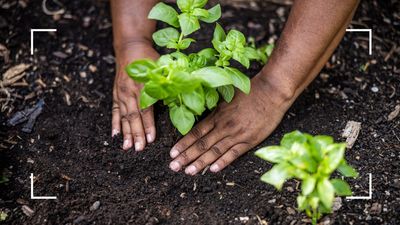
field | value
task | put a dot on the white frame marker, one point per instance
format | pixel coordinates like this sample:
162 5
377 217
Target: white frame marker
39 30
369 191
39 197
369 37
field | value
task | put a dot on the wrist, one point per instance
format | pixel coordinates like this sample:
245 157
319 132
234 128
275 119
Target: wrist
120 44
279 85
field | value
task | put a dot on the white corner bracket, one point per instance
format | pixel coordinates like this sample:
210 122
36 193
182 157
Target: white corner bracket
39 30
369 191
39 197
369 37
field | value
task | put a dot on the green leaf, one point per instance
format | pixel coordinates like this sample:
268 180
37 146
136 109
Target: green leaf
251 53
240 80
166 36
185 5
241 58
301 202
195 100
185 43
165 13
304 162
199 3
227 92
200 12
326 192
274 154
139 69
155 90
212 98
308 185
189 23
207 52
146 100
219 33
165 60
235 39
293 137
181 118
213 76
341 187
269 49
276 176
213 14
333 158
183 81
347 170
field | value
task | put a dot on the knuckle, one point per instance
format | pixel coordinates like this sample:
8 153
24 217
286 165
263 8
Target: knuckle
200 164
229 124
202 145
216 150
184 157
132 116
235 153
196 133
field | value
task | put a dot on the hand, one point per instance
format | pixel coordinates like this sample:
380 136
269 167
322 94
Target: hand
232 129
137 125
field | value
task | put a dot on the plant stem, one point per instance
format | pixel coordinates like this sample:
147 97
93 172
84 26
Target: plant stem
314 216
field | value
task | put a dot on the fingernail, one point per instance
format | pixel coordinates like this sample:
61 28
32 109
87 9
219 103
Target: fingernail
175 166
149 138
127 144
138 146
214 168
114 132
173 153
191 170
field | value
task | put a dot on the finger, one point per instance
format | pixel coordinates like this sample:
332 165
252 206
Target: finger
115 120
194 151
215 152
135 122
233 153
126 129
148 124
195 134
116 115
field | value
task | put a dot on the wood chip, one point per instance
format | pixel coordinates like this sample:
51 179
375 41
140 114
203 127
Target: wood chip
27 211
14 74
230 184
65 177
351 132
394 113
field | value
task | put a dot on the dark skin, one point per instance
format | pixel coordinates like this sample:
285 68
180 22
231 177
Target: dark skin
311 34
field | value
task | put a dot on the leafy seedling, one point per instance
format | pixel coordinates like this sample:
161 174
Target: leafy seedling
311 159
190 83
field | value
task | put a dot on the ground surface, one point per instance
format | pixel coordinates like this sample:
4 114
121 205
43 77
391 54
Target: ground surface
73 157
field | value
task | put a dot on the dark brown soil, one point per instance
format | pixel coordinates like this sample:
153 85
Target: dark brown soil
138 188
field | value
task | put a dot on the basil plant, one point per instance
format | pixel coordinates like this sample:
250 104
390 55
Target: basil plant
190 83
312 160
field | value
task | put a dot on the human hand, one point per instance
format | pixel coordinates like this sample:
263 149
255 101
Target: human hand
137 125
232 129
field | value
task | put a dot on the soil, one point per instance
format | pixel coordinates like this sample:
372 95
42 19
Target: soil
72 156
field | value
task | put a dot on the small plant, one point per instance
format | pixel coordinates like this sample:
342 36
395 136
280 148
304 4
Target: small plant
311 159
190 83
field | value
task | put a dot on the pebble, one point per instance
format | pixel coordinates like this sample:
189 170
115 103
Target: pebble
83 74
290 211
396 183
79 219
95 206
374 89
376 208
337 204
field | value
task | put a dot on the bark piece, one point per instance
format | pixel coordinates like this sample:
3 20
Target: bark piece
351 132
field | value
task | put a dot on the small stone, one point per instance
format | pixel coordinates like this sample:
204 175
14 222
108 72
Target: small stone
244 218
396 183
90 53
29 160
92 68
79 219
95 206
83 74
105 143
290 189
272 200
374 89
290 211
337 204
376 208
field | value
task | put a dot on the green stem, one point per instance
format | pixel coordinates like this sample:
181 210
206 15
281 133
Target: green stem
314 216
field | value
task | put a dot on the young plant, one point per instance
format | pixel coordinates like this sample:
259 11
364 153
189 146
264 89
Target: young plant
311 159
188 83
